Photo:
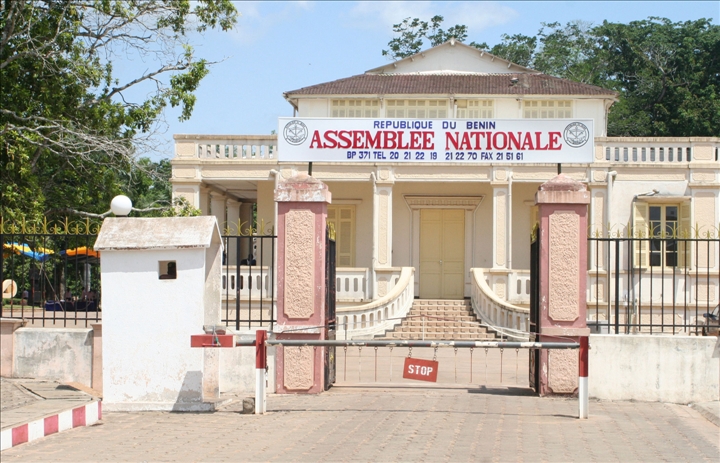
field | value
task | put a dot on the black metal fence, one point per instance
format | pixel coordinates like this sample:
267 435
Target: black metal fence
248 281
50 273
653 285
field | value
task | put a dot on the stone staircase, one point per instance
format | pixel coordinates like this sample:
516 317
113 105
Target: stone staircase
444 319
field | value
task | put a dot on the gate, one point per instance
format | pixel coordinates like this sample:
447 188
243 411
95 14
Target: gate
330 280
534 308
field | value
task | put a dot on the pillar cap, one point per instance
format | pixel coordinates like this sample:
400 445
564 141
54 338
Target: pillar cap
562 190
302 188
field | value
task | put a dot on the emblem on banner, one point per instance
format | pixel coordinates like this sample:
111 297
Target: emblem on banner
576 134
295 132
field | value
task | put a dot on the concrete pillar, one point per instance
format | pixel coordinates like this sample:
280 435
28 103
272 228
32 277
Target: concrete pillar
232 228
203 200
563 206
189 191
7 344
499 273
382 226
246 219
218 208
302 218
97 373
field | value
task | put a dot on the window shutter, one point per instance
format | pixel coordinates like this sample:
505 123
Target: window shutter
640 230
343 219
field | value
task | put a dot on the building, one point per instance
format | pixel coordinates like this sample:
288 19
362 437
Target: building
465 227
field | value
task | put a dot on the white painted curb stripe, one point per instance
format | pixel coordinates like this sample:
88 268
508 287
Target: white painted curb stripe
36 428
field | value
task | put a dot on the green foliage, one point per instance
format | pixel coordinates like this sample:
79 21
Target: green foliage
667 74
414 32
69 134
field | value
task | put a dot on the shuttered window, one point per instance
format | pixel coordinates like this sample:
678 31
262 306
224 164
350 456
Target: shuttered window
661 229
355 108
475 109
343 219
547 109
417 109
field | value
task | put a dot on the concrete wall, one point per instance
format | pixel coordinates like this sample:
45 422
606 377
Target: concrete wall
676 369
237 368
58 354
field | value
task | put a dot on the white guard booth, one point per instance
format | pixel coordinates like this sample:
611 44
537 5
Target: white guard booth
160 284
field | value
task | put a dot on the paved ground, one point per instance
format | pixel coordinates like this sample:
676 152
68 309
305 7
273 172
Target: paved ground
382 424
25 400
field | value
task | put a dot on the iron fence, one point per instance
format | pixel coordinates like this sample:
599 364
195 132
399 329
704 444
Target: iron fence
248 281
50 273
653 285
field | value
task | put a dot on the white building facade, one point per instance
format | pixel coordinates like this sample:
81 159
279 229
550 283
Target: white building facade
462 229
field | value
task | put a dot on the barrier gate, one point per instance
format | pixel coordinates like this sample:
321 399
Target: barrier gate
262 341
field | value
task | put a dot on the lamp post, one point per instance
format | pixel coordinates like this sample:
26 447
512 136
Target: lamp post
121 206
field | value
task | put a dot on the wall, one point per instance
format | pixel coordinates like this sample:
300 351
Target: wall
676 369
58 354
363 215
152 320
237 368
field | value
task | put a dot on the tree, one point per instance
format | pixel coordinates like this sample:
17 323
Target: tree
414 32
68 125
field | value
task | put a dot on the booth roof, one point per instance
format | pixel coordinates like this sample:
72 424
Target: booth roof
127 233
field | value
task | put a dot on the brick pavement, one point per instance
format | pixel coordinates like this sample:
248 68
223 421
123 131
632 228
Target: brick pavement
378 424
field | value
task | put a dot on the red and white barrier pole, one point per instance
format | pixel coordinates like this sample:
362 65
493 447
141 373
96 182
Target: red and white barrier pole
583 379
260 372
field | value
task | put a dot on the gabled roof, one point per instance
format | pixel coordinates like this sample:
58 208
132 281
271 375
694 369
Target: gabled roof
451 56
128 233
452 84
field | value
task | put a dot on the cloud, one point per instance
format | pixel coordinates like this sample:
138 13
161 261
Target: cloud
476 15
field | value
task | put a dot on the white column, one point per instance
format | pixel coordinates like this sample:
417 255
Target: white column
246 219
204 200
233 219
382 228
218 208
501 210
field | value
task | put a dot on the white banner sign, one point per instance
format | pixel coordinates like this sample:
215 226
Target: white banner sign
436 140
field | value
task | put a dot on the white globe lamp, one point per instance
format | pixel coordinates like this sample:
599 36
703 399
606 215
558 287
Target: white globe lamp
121 205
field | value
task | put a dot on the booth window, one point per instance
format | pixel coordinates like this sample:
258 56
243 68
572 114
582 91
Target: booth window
167 270
661 232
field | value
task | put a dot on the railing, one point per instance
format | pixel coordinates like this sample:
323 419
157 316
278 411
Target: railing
665 150
352 283
50 273
378 316
248 282
235 147
519 286
653 285
509 320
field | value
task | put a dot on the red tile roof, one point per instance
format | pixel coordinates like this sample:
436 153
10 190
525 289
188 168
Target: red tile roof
459 84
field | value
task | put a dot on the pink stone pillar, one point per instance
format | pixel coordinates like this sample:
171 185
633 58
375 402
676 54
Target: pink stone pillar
562 204
302 217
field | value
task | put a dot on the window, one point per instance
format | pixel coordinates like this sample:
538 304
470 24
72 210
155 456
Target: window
474 109
417 109
547 109
342 217
167 270
355 108
661 229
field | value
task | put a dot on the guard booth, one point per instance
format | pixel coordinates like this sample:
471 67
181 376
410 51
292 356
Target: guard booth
161 284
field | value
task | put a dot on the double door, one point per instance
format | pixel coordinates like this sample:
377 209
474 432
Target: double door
442 253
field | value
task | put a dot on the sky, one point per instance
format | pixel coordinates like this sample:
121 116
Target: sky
281 46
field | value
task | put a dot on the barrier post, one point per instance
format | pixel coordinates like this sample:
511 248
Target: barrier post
583 379
260 372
